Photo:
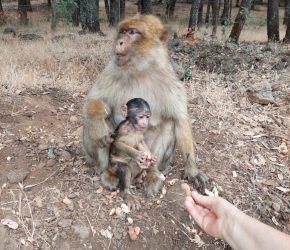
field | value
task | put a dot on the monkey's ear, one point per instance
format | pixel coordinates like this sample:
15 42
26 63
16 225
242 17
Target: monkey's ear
124 111
164 36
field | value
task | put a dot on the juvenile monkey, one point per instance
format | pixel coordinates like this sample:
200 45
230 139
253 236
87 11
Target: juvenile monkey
129 154
140 67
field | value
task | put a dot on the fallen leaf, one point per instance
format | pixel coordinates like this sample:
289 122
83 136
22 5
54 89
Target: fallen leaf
235 175
132 233
249 166
106 233
270 182
284 190
113 211
275 221
280 177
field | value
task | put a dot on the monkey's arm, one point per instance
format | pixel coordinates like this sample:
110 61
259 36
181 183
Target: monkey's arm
96 112
125 148
186 144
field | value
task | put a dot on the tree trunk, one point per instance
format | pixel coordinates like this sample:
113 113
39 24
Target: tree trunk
273 20
209 4
122 9
53 17
49 3
240 20
22 6
76 13
200 13
27 5
170 6
145 6
114 12
287 35
193 16
238 3
2 16
1 8
225 18
89 15
107 7
287 12
215 15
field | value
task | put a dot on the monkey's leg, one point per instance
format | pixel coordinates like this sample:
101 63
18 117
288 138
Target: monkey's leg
125 178
162 144
109 179
185 143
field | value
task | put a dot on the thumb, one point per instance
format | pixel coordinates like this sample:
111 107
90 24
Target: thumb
202 200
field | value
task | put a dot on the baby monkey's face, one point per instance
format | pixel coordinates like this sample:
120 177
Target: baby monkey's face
142 121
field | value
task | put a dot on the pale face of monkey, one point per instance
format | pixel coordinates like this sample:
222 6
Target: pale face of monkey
142 121
125 39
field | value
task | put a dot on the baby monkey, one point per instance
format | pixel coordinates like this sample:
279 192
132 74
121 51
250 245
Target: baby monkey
130 157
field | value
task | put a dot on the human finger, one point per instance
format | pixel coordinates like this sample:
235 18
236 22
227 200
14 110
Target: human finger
202 200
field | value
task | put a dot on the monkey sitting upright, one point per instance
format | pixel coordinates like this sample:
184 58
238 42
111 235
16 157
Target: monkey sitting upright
129 154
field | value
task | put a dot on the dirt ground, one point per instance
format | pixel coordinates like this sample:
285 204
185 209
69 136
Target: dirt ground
239 106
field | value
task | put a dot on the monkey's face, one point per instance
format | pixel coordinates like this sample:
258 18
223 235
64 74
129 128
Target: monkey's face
124 44
142 121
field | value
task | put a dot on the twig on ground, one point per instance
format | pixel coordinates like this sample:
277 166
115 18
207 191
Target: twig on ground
36 184
92 228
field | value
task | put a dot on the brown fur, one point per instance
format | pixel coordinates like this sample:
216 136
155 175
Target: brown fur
148 75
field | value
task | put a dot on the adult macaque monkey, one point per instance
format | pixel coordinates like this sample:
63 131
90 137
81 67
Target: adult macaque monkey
140 67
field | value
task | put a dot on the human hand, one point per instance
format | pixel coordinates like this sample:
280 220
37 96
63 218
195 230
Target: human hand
212 214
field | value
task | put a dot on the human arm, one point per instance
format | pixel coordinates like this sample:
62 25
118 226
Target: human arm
221 219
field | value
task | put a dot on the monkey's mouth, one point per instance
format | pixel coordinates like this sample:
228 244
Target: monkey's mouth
121 58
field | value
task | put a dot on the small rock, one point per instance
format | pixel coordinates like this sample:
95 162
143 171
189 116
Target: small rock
38 201
276 207
65 223
42 147
63 235
29 113
9 223
73 119
65 155
50 163
17 175
130 220
66 201
82 231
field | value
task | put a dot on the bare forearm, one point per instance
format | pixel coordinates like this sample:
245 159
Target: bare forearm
243 232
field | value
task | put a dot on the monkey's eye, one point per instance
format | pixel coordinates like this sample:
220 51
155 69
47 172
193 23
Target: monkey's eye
141 116
133 31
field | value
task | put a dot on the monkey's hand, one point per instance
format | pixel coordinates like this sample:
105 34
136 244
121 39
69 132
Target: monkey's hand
192 173
99 133
141 158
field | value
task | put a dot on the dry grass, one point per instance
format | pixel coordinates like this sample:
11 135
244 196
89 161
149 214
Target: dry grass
71 63
74 62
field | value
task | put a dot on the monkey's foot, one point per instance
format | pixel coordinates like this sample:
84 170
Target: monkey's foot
199 179
132 202
153 182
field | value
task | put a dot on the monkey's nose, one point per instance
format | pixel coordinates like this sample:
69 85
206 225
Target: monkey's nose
121 43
